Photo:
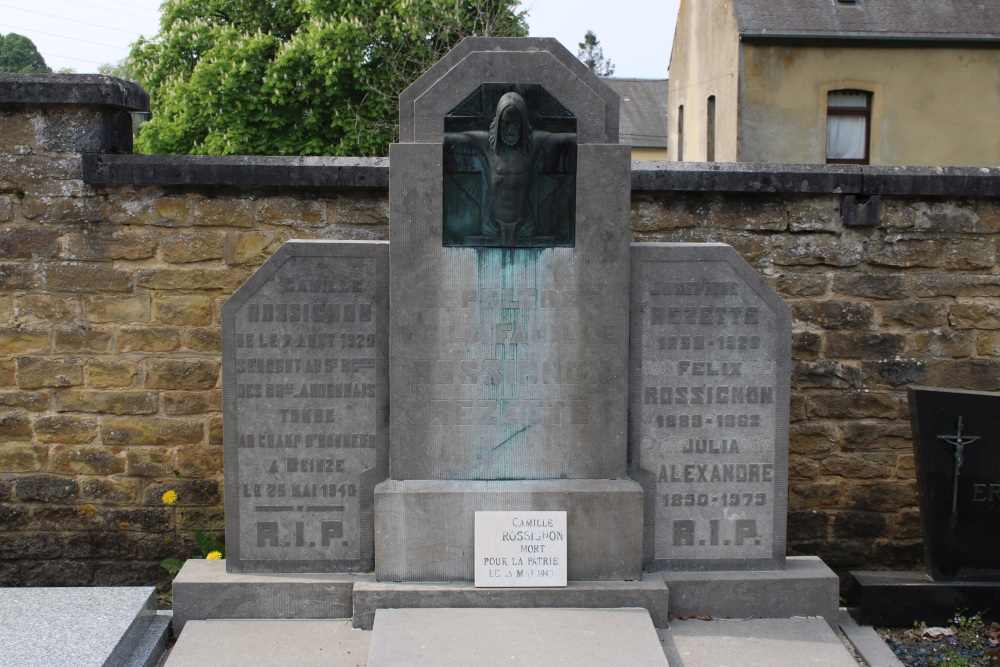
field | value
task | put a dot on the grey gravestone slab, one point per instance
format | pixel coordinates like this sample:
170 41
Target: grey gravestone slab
509 363
84 627
304 349
958 473
492 637
709 391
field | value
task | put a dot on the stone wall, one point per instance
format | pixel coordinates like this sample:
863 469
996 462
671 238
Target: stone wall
113 268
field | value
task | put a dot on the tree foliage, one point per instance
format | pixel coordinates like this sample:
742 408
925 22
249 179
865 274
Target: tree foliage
296 77
18 54
592 56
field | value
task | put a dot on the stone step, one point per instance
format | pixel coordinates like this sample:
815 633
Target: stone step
80 627
485 637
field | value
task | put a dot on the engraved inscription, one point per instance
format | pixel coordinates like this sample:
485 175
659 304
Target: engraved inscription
709 395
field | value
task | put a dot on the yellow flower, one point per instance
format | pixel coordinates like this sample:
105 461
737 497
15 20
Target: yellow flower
170 497
214 555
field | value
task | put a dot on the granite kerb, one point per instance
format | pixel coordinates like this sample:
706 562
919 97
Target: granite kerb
73 89
647 176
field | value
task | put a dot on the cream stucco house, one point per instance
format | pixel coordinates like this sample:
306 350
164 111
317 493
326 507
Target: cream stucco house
886 82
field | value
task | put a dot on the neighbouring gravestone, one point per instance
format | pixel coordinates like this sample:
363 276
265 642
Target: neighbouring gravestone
709 392
957 458
304 344
509 203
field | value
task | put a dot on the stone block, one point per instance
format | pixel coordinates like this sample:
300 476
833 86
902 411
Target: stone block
647 592
148 339
23 340
975 374
66 429
857 405
835 314
191 402
110 491
817 249
856 465
149 461
863 345
15 426
952 254
801 285
118 309
6 209
297 213
978 315
182 373
494 637
824 374
194 460
113 402
187 248
37 372
8 375
814 214
81 338
106 373
29 242
157 210
915 314
17 276
604 535
251 248
106 242
804 587
363 209
47 308
88 278
871 286
17 457
203 589
81 460
189 492
183 310
46 488
144 430
192 279
201 339
33 401
223 212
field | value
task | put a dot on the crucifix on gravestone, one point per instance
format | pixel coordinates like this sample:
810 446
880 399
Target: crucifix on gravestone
959 442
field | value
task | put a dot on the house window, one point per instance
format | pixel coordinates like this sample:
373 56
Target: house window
710 133
848 126
680 133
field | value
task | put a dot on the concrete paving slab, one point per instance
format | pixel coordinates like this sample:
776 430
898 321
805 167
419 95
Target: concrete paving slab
757 642
272 643
512 637
73 627
872 648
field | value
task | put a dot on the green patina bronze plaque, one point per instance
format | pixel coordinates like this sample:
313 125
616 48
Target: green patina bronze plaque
509 169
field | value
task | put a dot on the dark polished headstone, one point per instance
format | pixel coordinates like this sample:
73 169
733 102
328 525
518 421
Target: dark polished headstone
305 391
900 598
957 452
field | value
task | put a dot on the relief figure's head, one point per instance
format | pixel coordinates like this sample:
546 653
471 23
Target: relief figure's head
510 124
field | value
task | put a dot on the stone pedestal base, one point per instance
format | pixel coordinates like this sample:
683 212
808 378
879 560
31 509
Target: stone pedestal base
649 593
900 598
424 529
805 587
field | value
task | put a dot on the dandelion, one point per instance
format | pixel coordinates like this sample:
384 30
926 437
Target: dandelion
170 497
214 555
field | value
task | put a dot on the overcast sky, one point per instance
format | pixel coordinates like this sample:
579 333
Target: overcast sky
82 34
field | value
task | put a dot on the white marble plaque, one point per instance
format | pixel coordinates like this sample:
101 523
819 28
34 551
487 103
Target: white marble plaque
521 549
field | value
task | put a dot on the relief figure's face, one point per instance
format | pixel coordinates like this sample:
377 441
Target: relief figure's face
510 126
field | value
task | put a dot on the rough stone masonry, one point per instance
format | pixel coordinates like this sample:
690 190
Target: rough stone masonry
113 268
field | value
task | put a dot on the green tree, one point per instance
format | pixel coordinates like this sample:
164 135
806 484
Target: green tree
592 56
121 69
296 77
18 54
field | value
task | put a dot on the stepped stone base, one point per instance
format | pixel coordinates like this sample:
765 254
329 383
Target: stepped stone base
204 590
649 593
424 529
805 587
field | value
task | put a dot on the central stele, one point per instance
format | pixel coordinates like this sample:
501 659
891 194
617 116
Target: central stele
510 169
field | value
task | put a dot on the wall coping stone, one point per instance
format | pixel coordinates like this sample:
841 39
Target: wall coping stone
647 176
77 89
236 170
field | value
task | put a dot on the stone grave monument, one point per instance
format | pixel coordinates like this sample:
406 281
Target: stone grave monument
508 389
958 477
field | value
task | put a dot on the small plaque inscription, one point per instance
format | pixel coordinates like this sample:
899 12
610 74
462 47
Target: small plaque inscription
521 549
709 404
305 390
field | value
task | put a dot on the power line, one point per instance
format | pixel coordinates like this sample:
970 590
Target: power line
53 16
52 34
83 60
117 11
